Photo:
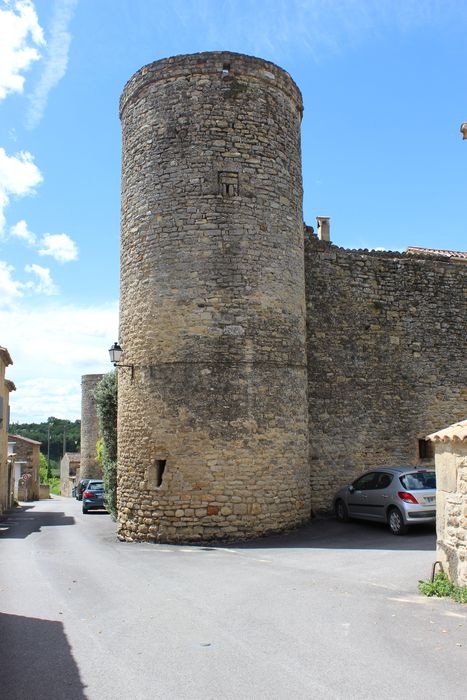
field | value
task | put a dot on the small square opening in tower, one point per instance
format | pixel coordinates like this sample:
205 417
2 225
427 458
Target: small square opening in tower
226 69
228 184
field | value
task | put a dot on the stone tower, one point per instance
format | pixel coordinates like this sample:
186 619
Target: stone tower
212 432
89 469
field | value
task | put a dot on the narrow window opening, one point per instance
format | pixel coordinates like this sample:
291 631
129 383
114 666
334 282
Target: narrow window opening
226 69
425 449
160 468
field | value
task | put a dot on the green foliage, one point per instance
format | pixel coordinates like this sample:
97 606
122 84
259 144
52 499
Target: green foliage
52 477
460 594
100 453
42 468
441 587
58 426
105 394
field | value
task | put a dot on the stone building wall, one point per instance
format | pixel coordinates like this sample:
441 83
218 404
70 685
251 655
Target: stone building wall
90 468
386 358
69 472
27 453
6 475
212 419
451 509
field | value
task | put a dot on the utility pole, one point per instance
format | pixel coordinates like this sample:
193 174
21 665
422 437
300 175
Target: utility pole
49 473
64 441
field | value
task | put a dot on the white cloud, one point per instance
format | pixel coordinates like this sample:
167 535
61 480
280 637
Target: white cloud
45 284
20 35
21 231
60 246
56 60
10 289
52 347
19 175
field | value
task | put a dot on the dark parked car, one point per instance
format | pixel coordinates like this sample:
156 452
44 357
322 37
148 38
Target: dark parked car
398 496
93 496
80 488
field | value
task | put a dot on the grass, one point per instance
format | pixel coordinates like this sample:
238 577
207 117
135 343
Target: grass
442 587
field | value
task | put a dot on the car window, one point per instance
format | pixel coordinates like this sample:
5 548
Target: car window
365 482
383 480
416 481
96 486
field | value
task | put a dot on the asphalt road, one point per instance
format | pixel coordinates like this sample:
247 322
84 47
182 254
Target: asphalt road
330 611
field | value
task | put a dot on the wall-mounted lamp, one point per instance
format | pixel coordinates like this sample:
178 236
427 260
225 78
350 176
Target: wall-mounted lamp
115 353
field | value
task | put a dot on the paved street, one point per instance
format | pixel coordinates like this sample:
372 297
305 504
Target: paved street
330 611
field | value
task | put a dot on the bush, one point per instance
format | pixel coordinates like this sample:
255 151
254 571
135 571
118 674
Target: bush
442 587
105 394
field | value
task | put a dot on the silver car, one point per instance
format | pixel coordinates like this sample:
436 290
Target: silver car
398 496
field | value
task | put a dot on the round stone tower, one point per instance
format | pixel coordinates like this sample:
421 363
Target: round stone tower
89 468
212 426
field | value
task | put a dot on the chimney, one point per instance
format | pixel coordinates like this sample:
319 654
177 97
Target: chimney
324 232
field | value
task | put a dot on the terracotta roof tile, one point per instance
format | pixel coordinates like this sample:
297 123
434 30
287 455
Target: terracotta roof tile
454 433
433 251
25 439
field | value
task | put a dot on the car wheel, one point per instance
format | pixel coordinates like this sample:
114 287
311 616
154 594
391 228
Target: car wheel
396 522
85 510
341 511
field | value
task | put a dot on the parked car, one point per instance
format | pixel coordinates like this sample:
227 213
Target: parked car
398 496
80 488
93 496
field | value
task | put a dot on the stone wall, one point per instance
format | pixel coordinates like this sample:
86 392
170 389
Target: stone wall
212 420
6 475
451 509
69 472
27 453
386 358
90 468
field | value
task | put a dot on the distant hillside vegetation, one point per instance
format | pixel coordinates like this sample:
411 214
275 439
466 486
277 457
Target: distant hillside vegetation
58 426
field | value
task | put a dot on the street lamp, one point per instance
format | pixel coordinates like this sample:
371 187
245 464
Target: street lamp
115 353
463 130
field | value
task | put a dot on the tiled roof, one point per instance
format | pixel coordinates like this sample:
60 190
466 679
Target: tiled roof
73 456
459 255
25 439
454 433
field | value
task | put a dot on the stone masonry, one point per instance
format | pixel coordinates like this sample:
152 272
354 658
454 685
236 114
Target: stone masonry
260 371
212 427
386 358
90 469
451 500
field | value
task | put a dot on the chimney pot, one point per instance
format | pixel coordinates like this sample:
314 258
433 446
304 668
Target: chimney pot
324 228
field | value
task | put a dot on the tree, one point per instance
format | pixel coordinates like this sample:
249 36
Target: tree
105 394
60 428
43 468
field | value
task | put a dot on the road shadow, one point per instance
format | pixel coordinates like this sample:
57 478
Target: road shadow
328 533
24 520
36 661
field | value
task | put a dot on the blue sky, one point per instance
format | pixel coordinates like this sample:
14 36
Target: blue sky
384 88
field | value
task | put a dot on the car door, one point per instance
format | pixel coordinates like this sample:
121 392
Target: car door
358 497
377 497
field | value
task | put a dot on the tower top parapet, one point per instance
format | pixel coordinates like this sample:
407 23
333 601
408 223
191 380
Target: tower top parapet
228 65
